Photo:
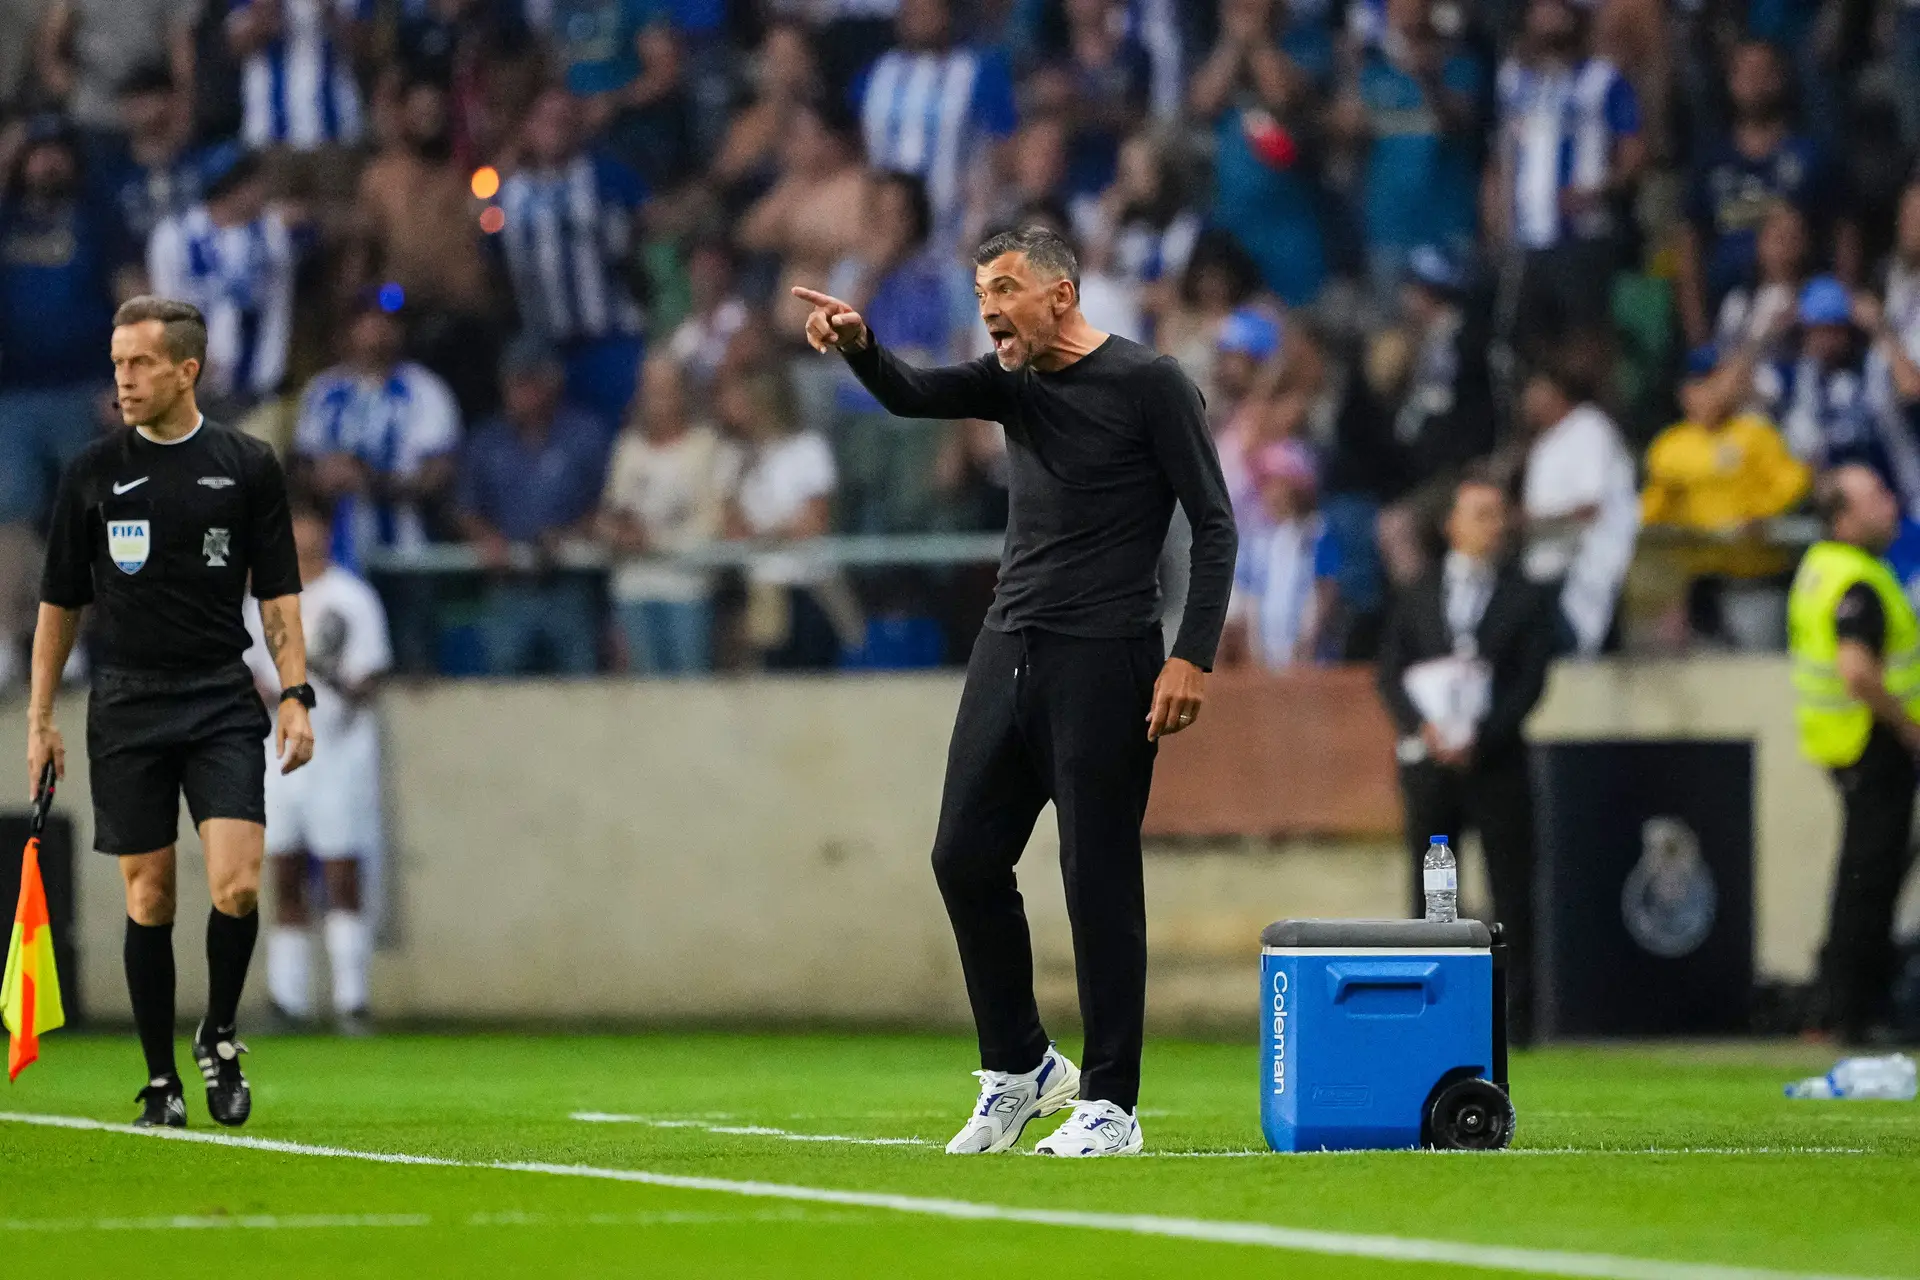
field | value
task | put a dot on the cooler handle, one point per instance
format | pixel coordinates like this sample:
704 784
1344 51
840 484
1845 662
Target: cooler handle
1348 976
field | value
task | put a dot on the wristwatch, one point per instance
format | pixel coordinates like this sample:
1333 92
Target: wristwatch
300 693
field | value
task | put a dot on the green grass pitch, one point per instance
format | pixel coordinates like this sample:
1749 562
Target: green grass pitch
1681 1162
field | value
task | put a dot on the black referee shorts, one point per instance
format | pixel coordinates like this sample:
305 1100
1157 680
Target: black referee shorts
153 736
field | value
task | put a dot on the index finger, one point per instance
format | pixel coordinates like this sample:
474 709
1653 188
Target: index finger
817 298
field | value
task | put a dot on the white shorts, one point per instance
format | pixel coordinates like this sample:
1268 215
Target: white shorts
331 807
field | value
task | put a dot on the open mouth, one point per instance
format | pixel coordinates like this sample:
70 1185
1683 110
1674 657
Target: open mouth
1003 341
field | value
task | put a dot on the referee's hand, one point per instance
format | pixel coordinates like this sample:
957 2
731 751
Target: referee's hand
832 325
293 737
44 743
1177 696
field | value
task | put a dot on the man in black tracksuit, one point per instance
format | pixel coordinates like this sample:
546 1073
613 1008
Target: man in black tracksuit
160 528
1066 691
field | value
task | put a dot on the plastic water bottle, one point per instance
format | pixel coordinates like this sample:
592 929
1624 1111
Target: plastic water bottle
1442 884
1891 1078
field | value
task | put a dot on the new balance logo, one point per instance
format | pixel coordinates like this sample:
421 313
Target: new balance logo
217 482
130 486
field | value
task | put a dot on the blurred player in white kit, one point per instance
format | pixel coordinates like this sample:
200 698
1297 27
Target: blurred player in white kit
328 812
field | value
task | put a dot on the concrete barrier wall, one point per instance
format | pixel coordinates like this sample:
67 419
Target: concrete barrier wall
757 850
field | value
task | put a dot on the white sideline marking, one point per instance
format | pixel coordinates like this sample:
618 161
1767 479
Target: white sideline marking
1594 1266
215 1222
763 1131
508 1218
743 1130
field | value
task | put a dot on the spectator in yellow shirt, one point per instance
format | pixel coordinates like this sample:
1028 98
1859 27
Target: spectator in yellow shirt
1720 472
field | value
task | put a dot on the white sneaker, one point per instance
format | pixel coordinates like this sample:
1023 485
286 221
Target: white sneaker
1094 1129
1007 1102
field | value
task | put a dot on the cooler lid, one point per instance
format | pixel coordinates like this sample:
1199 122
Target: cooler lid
1364 934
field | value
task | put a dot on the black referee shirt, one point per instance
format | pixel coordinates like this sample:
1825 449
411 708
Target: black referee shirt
161 537
1097 452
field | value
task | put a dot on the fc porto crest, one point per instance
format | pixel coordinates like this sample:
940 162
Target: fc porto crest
129 542
216 546
1669 901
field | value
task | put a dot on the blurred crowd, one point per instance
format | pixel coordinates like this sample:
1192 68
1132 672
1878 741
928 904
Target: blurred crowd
513 274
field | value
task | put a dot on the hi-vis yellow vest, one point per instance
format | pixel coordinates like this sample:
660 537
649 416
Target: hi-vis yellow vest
1833 724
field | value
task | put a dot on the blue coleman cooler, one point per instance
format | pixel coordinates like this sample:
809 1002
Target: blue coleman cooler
1382 1034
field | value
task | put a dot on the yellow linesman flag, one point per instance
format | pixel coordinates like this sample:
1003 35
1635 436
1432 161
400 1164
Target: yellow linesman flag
30 992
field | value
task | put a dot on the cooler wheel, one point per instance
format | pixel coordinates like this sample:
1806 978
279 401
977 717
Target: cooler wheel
1470 1115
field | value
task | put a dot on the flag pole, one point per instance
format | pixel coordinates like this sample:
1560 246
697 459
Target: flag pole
30 989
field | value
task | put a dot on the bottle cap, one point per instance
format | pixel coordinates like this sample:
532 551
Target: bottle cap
1437 840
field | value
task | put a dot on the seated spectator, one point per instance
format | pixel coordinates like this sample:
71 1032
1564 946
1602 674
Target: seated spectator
1436 382
1720 471
56 318
415 212
1251 411
376 439
933 107
1219 278
1446 416
813 216
1900 287
667 491
88 48
1246 340
624 61
1760 161
472 49
1261 85
1284 584
1582 513
1029 170
785 496
153 174
532 478
1409 107
233 256
1758 312
785 81
297 80
700 343
1567 160
568 243
1141 230
886 463
1820 395
1100 83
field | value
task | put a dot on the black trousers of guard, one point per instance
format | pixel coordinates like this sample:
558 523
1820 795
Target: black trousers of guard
1052 717
1495 798
1857 963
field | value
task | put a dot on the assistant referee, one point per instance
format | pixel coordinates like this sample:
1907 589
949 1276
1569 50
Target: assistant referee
159 527
1066 692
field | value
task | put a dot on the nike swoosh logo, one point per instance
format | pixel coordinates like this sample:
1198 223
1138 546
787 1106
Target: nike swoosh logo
130 485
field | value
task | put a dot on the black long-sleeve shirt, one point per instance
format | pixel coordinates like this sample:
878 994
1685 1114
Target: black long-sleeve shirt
1098 453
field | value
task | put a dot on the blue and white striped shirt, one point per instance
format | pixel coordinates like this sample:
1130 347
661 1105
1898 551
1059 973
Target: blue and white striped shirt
394 425
1558 129
926 113
299 91
566 240
241 278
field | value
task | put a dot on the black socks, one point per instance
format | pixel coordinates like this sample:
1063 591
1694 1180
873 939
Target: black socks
229 951
148 955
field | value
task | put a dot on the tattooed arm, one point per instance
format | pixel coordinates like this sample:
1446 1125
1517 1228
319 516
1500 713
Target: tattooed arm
287 646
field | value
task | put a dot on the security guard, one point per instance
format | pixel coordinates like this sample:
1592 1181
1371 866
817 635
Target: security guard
1856 672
